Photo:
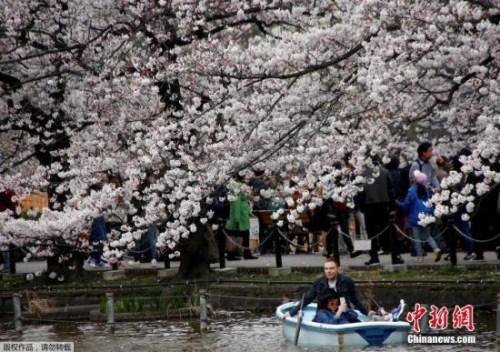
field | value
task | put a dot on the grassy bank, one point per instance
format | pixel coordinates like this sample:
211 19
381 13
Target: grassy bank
248 291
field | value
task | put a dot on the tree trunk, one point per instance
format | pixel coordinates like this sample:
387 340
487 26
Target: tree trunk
197 253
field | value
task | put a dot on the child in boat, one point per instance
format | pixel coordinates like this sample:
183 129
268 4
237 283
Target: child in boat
331 310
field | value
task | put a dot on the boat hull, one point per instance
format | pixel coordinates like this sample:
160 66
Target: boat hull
356 334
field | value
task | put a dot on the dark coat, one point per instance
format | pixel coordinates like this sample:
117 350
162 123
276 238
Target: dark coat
322 216
6 201
345 288
220 204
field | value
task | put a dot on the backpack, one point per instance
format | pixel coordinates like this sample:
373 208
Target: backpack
405 180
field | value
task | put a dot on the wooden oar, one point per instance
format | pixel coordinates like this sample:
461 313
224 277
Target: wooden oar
299 321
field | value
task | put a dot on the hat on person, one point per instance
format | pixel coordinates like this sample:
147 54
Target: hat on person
324 297
419 177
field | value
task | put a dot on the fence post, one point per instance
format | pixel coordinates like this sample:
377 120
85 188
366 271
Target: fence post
12 260
203 311
221 241
451 237
334 238
110 312
393 237
16 302
166 261
277 247
498 312
425 320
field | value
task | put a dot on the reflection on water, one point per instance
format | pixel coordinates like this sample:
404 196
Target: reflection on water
232 332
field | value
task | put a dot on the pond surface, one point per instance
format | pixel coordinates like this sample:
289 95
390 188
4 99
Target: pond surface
227 332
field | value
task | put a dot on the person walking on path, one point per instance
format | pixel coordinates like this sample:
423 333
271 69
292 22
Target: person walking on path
414 205
378 202
238 223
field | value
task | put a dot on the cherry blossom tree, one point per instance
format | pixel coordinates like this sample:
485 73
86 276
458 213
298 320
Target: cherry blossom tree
178 97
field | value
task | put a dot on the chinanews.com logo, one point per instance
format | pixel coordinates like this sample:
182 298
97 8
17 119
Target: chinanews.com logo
438 321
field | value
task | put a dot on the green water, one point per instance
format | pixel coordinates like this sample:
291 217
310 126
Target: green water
227 332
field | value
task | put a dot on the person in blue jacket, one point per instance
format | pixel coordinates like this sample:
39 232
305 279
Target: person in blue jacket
330 311
98 236
413 205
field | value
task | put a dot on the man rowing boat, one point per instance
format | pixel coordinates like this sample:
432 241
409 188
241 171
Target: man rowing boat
332 280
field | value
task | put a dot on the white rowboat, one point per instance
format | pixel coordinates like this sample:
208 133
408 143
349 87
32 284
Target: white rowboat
373 333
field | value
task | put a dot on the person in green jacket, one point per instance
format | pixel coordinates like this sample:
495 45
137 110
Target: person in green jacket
238 224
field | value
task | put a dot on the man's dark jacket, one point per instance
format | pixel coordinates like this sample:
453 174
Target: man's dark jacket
345 288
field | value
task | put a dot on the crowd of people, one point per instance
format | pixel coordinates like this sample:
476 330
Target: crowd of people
386 213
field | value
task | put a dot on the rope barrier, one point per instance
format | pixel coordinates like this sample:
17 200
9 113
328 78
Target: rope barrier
443 231
408 237
57 320
142 251
235 243
439 235
311 245
357 236
286 239
154 298
267 238
344 233
268 299
473 239
305 233
76 247
381 232
70 247
370 238
263 242
297 245
291 243
314 244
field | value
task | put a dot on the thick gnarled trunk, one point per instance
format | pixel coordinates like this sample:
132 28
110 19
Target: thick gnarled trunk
197 253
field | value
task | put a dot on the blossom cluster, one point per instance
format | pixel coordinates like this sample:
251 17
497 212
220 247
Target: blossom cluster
180 97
